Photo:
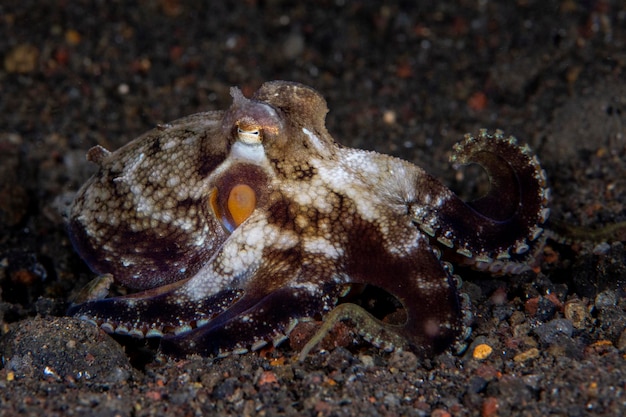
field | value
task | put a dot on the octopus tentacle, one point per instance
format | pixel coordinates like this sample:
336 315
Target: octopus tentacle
371 328
230 320
496 231
220 309
239 328
148 314
426 290
422 285
568 234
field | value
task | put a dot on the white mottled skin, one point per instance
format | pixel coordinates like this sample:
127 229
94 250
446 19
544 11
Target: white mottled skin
158 217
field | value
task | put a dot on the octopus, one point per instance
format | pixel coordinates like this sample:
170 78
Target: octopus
234 226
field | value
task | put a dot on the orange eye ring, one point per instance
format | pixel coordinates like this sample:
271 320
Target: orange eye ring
241 203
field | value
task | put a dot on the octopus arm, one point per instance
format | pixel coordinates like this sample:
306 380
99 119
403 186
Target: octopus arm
504 222
251 323
155 313
236 302
420 282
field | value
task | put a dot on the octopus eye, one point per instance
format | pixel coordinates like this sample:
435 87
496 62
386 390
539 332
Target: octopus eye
249 134
239 205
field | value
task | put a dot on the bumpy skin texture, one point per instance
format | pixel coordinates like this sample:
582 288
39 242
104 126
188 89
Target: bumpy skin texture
221 276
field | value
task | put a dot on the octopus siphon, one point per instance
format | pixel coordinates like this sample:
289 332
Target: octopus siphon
236 225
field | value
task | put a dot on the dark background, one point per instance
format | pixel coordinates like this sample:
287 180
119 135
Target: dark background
402 78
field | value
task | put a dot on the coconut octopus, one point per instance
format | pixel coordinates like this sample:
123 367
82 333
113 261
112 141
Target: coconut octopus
238 224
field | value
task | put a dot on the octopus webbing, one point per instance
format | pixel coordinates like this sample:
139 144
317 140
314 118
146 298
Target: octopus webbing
238 224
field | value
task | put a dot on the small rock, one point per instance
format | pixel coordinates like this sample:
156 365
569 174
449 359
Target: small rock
476 384
404 361
621 342
267 378
606 299
64 348
503 312
532 380
543 308
601 249
531 353
391 400
226 390
482 351
551 331
22 59
610 321
367 360
576 311
490 407
340 358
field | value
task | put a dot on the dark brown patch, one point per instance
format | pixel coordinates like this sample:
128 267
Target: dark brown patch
280 214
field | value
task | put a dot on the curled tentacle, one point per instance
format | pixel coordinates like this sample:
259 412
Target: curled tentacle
498 230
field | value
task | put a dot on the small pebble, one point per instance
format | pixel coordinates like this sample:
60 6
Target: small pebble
340 358
403 360
545 309
621 342
576 311
78 351
267 378
389 117
502 312
367 360
532 381
226 389
490 407
22 59
550 331
391 400
601 249
605 299
531 353
72 37
476 384
482 351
